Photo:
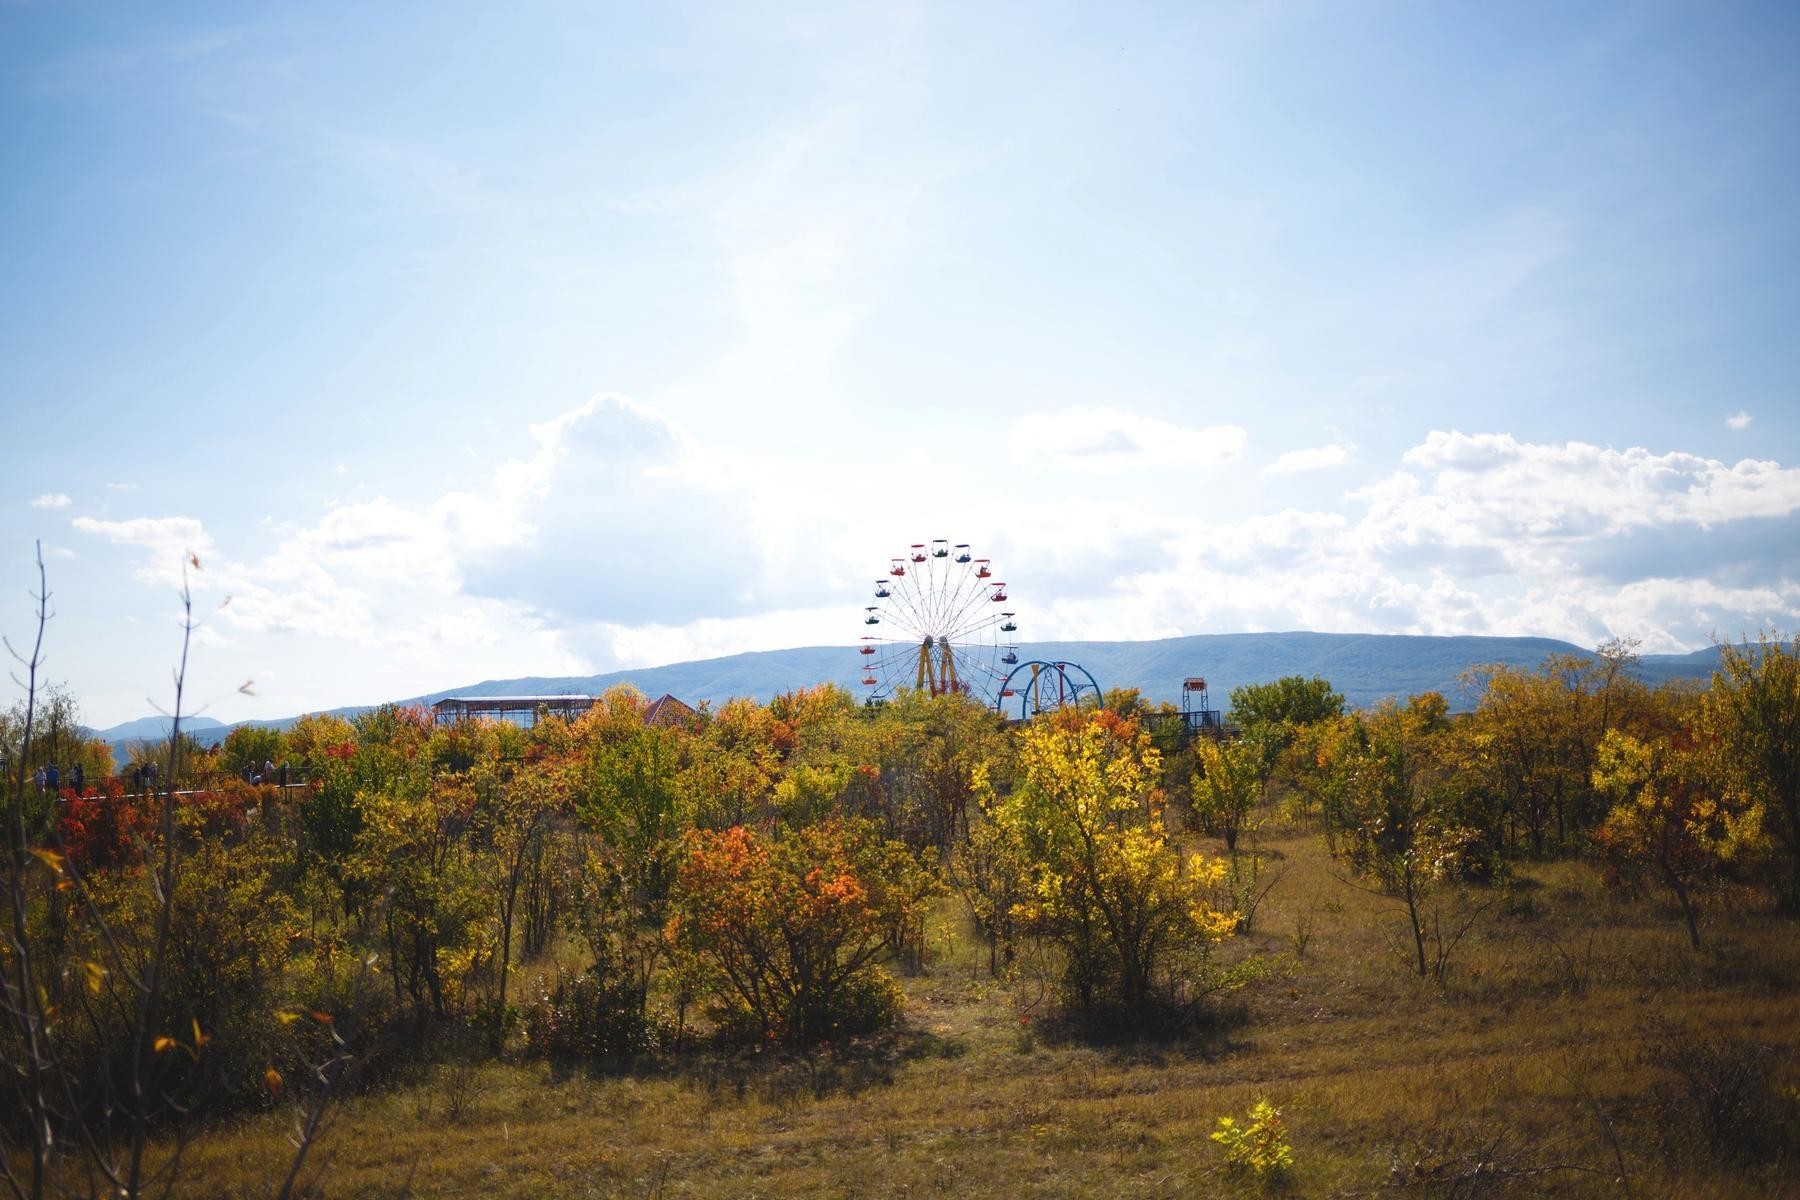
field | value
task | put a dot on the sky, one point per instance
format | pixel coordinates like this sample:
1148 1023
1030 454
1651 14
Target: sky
467 341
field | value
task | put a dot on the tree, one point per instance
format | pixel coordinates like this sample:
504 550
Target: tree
1227 786
1665 818
791 929
1133 921
1291 700
1272 715
247 747
1753 708
411 855
1398 837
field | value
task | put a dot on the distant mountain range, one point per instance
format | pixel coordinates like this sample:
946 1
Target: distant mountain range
1366 668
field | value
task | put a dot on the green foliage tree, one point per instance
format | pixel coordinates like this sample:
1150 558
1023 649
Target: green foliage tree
248 747
1290 701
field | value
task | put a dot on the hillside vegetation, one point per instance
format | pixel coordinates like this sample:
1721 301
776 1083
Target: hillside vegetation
812 946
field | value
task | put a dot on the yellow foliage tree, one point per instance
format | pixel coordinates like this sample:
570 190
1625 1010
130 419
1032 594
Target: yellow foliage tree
1102 882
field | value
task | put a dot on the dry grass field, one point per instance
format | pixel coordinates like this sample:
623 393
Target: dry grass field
1574 1050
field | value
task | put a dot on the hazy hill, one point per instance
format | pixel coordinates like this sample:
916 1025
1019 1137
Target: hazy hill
1365 667
146 728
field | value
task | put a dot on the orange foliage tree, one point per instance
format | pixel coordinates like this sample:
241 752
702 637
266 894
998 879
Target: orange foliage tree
790 929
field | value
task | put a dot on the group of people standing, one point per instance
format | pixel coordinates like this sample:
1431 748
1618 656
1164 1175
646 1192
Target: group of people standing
271 774
49 779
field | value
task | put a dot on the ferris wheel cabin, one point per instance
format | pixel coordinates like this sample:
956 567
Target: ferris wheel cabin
962 552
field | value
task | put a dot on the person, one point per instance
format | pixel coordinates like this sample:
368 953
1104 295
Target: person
268 775
137 778
40 779
284 772
77 777
150 775
55 780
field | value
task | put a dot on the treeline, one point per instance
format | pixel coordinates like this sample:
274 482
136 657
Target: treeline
614 887
1680 786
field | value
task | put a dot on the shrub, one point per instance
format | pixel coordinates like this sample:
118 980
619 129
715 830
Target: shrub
1721 1100
1259 1145
1134 923
787 932
598 1014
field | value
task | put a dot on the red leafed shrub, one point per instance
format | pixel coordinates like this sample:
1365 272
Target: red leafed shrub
221 810
105 829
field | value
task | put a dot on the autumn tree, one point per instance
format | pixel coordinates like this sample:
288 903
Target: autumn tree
791 929
412 859
1271 713
920 755
1392 772
1133 920
1665 818
1753 708
1227 785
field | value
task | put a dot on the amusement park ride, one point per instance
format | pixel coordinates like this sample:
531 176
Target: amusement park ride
936 626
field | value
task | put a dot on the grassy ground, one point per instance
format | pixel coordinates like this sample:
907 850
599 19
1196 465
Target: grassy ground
1534 1069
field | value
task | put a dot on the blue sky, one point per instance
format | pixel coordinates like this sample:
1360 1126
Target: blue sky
477 341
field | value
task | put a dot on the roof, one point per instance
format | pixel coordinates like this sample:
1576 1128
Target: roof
667 710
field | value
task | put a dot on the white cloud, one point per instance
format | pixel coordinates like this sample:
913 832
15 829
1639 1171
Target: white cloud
1106 441
1739 419
166 542
1479 534
620 517
51 500
618 521
1309 459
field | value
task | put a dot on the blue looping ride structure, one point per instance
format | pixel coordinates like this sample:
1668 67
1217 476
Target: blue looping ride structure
1041 686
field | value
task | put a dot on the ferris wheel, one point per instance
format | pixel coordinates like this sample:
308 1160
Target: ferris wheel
939 624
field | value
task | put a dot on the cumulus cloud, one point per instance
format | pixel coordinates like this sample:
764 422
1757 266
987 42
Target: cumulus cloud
1739 419
1104 441
51 500
1492 485
1309 459
617 521
1488 534
620 517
